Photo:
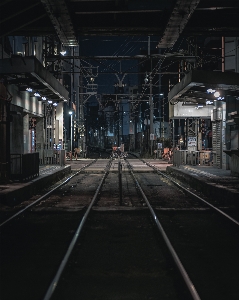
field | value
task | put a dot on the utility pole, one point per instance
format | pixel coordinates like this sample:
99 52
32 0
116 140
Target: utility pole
151 103
151 107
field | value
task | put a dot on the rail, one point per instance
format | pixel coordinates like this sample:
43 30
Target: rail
193 194
59 272
46 195
173 253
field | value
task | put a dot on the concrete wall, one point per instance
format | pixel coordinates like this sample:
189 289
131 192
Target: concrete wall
23 99
180 110
40 138
225 158
59 117
23 107
26 135
16 130
232 54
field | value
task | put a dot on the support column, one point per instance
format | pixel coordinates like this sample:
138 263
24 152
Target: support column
40 138
151 107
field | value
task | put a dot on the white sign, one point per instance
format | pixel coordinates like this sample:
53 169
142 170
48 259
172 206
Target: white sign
192 141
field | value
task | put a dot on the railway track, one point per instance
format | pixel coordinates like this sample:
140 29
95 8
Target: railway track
108 246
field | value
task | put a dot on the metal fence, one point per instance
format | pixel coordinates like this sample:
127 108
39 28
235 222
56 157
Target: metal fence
186 157
24 166
52 157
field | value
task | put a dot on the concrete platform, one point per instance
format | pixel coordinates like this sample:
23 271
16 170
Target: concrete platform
15 192
215 183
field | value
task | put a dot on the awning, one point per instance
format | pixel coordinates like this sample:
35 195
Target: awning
195 85
28 72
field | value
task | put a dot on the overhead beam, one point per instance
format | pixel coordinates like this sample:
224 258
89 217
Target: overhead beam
4 2
61 20
22 26
170 56
116 31
180 16
92 0
12 16
116 12
215 8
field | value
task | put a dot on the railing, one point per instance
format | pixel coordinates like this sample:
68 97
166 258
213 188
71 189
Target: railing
186 157
52 157
4 172
24 167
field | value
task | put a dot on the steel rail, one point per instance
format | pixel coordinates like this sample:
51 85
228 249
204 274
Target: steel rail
194 195
175 257
45 195
59 272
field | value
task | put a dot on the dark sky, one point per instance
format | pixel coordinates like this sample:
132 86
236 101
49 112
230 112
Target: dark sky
115 46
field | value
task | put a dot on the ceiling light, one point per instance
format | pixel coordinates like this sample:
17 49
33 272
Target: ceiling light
43 98
211 91
63 52
49 101
216 94
209 102
29 90
55 104
36 94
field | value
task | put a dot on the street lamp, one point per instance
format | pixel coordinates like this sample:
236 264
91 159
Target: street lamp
71 114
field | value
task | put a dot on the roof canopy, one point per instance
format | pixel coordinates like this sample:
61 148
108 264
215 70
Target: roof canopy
28 72
199 86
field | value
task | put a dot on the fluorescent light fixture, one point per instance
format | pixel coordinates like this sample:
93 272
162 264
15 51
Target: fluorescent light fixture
36 94
55 104
29 90
49 101
199 106
209 102
43 98
211 91
63 52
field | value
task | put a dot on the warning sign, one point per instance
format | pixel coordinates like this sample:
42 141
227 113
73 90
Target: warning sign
192 141
151 136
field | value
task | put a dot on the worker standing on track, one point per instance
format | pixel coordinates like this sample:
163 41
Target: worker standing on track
169 156
75 153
